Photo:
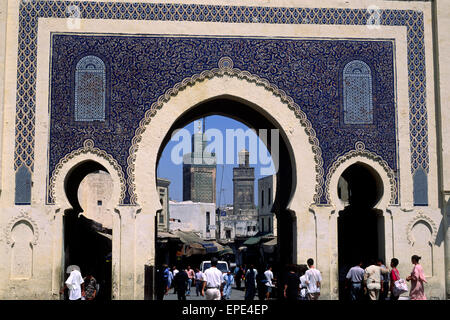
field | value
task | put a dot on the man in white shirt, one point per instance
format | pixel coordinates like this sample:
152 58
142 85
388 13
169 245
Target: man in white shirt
269 277
313 280
372 278
212 282
75 284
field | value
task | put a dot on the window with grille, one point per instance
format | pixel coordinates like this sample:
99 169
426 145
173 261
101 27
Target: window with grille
90 89
358 100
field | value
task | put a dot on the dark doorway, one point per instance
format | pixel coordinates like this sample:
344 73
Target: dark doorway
360 226
86 242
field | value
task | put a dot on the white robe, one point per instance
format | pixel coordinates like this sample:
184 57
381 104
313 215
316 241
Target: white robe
74 285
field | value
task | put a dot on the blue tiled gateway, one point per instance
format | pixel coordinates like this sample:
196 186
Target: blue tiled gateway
359 93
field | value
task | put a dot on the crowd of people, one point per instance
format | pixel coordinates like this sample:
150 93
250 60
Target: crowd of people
377 282
374 282
301 282
213 284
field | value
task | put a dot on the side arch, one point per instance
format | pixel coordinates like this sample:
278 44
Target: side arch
375 162
88 152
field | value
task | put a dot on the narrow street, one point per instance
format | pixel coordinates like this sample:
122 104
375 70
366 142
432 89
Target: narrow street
235 295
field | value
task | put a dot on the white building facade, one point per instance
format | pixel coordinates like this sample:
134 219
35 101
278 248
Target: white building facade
197 217
266 194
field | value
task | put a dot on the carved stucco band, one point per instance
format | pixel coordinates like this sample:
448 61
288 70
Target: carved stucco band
88 147
424 219
23 216
360 151
225 68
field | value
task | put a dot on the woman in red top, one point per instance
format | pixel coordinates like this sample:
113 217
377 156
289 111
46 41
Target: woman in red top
395 275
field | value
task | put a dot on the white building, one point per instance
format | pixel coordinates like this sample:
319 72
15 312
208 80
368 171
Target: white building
266 195
198 217
163 214
94 195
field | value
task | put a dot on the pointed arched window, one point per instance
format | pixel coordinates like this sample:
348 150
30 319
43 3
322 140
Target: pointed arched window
358 100
90 89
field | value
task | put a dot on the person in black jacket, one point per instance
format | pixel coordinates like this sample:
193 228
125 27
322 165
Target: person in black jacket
180 282
261 284
292 284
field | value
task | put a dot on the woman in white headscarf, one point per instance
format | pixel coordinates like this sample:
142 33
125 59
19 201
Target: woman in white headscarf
75 284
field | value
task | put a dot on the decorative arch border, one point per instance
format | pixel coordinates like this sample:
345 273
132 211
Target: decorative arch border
225 69
421 217
25 217
360 151
88 147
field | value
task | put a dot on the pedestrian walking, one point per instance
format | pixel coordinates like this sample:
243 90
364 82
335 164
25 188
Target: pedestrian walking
212 282
394 276
355 278
75 285
228 282
180 282
303 286
268 274
250 283
168 277
261 284
238 278
91 287
384 281
372 279
292 284
174 273
198 281
417 278
160 282
313 280
191 275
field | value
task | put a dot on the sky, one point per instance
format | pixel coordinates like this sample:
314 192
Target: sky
224 175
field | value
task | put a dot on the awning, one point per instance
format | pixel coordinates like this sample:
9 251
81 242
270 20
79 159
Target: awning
196 245
188 237
252 241
169 235
193 249
210 247
269 246
226 250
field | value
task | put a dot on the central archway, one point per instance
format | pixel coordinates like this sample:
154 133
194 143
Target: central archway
255 106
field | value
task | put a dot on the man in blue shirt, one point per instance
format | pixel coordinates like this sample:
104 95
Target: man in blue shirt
229 280
167 277
355 276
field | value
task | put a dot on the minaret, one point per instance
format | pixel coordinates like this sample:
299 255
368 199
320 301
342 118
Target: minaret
199 169
243 185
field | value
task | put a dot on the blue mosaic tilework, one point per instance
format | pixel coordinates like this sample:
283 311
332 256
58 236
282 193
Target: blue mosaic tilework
90 89
23 189
357 95
30 11
142 68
